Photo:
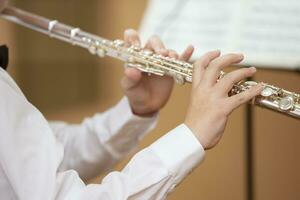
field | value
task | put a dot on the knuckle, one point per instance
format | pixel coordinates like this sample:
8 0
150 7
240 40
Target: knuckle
154 38
223 110
232 57
252 92
209 55
204 60
240 74
130 32
242 99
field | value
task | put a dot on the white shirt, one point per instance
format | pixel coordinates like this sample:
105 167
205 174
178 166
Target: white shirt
41 160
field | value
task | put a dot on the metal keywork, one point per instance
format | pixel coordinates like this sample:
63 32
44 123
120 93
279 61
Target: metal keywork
272 97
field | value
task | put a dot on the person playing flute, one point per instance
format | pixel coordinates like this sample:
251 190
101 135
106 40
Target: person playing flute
50 160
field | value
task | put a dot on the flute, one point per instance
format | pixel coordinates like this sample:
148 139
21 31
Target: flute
274 98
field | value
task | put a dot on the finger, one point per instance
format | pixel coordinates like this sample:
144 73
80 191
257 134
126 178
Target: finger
156 45
228 81
187 54
213 71
173 54
241 98
131 79
131 37
201 64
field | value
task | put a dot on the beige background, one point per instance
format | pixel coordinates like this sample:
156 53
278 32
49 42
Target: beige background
66 83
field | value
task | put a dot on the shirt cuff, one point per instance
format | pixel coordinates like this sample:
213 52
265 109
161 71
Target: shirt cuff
180 151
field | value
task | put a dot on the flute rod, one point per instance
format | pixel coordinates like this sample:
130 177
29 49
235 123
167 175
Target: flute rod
272 97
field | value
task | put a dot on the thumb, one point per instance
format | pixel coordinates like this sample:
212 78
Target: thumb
131 79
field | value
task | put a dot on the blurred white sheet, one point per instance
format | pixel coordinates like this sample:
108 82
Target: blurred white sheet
266 31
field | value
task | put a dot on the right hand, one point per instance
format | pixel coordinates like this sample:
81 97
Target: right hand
148 94
210 104
3 4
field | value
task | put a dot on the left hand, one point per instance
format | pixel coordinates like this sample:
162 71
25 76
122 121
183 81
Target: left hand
148 94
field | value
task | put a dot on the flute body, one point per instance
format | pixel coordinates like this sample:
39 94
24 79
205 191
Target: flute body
272 97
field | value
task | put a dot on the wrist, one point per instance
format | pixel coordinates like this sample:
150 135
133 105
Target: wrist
197 133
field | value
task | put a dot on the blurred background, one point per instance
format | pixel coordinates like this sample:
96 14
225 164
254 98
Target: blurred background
67 83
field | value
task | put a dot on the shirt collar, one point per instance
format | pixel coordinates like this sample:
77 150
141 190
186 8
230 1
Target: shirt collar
4 56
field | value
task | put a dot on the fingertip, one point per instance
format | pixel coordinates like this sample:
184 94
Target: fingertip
250 71
133 74
127 34
187 53
131 37
261 86
256 90
163 52
253 69
240 56
190 48
130 31
173 54
218 52
214 54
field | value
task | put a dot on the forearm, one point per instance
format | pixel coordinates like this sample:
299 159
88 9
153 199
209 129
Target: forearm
154 172
99 142
150 175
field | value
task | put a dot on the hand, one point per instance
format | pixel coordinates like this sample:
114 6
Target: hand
210 104
3 4
148 94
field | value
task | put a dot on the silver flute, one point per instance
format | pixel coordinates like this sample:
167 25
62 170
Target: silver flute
272 97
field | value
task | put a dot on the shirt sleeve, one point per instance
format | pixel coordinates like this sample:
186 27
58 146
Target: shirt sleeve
151 174
30 159
99 142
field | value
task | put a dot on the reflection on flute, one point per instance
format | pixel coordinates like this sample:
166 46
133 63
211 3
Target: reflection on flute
272 97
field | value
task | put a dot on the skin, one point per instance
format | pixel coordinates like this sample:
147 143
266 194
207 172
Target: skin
209 105
148 94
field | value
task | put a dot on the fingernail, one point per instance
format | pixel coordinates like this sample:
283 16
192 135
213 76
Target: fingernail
253 69
128 32
240 55
190 46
